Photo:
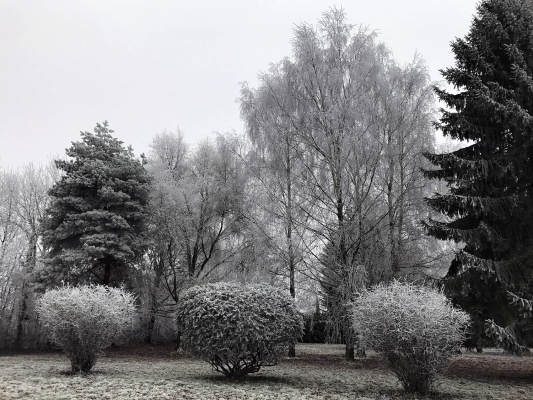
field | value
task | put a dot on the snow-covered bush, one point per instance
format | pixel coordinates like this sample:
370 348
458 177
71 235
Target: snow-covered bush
84 320
415 328
238 328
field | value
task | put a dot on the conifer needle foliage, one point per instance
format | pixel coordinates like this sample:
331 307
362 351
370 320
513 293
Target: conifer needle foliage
95 226
489 206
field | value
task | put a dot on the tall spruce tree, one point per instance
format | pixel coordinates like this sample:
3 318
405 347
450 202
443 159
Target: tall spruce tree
489 206
95 226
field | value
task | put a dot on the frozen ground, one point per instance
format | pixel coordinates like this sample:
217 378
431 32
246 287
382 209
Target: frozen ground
319 372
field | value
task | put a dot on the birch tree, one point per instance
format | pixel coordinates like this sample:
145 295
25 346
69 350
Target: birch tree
404 118
270 113
354 124
336 68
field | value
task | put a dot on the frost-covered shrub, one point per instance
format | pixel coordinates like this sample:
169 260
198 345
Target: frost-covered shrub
415 328
238 329
84 320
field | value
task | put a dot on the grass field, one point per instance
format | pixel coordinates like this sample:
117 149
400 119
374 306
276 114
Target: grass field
318 372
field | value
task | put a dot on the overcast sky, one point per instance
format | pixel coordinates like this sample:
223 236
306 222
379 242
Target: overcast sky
149 66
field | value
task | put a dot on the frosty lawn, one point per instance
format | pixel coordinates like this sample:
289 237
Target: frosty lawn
318 372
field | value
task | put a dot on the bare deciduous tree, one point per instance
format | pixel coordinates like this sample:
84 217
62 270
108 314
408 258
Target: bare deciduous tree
341 128
197 216
24 198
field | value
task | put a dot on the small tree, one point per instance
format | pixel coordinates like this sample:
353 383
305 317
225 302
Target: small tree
238 329
84 320
415 328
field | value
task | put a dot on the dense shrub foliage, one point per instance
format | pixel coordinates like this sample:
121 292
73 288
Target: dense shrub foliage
415 328
84 320
238 329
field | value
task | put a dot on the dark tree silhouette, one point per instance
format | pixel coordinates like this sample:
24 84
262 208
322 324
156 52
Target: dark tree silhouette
489 206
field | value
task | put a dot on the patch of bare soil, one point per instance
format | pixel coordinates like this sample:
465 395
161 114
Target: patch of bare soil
491 366
371 362
143 351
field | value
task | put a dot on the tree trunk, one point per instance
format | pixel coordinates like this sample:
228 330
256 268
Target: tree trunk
150 328
178 335
21 318
107 274
292 266
349 354
160 266
31 260
292 350
393 254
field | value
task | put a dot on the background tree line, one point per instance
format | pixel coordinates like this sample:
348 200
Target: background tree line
323 194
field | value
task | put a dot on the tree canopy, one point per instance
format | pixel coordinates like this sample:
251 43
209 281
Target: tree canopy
489 206
339 130
95 225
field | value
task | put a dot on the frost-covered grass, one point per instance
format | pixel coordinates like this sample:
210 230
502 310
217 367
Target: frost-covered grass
318 372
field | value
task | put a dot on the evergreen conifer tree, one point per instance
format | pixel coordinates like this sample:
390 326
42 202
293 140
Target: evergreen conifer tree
489 206
95 226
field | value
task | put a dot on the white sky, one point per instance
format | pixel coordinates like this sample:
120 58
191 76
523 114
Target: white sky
147 66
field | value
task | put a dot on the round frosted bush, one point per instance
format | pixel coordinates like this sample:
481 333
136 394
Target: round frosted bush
84 320
415 328
238 329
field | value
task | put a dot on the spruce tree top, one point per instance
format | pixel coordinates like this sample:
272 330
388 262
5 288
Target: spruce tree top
95 226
